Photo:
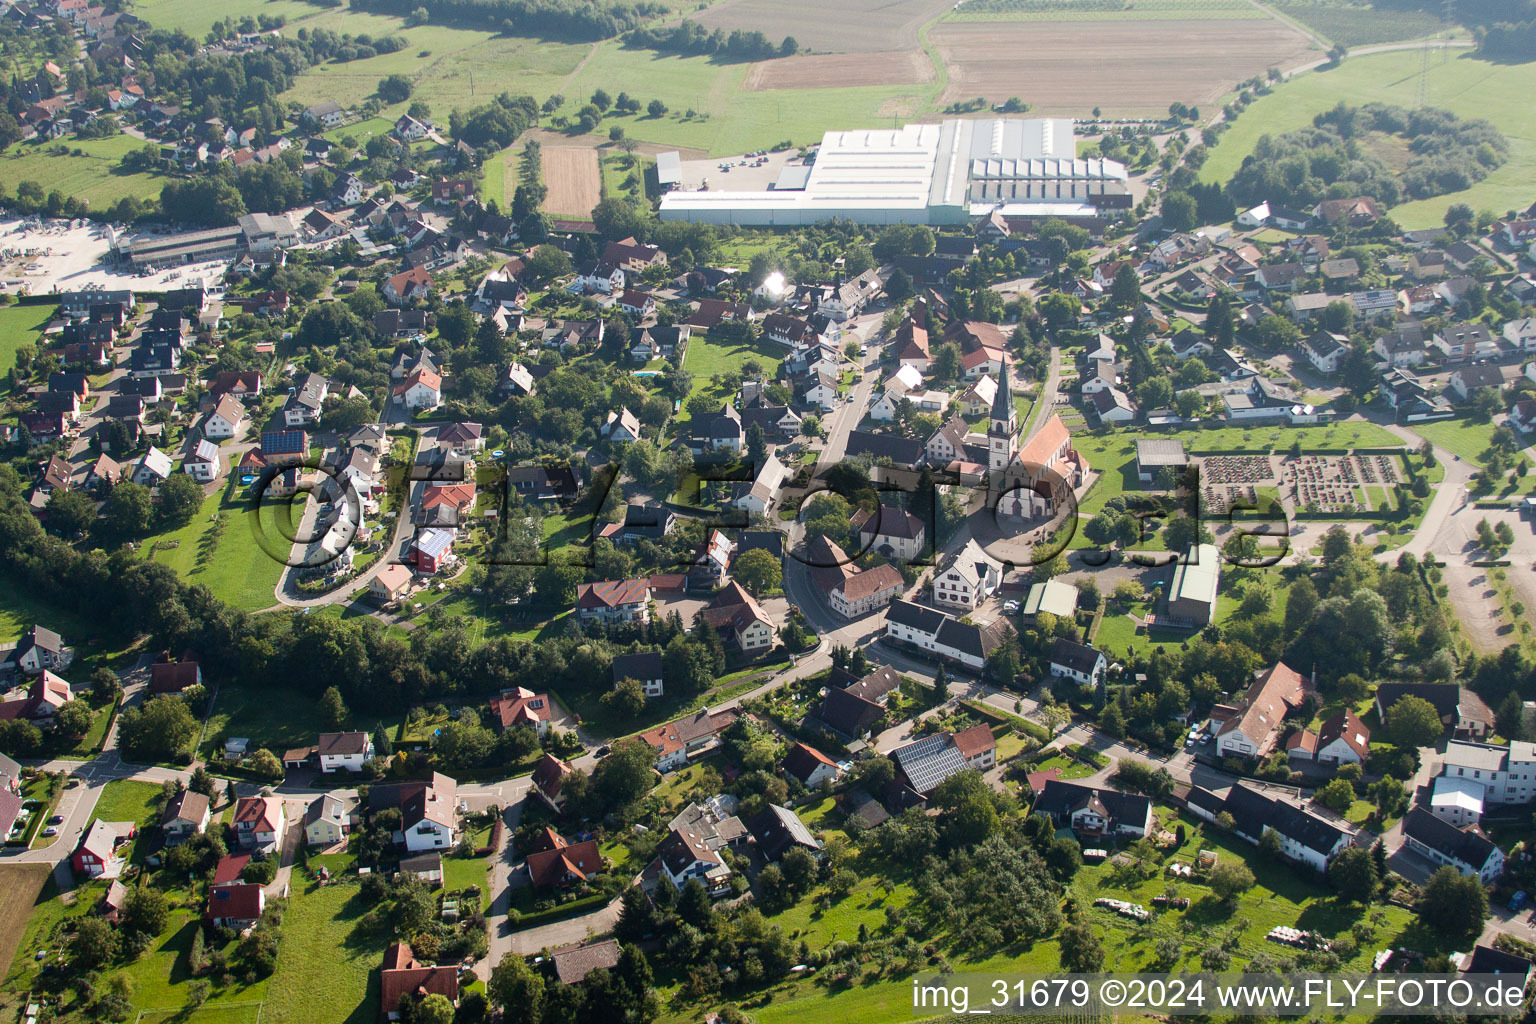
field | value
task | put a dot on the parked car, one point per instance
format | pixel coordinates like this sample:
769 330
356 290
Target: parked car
50 831
57 819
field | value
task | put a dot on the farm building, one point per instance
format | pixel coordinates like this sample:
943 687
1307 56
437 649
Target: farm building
947 173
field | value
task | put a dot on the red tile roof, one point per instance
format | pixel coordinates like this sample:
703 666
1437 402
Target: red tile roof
978 739
578 861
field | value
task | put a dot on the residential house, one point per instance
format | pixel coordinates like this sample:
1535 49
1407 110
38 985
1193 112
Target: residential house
1520 334
402 977
259 823
1469 379
97 855
891 531
977 746
1095 811
1466 341
809 765
407 286
777 830
564 863
614 601
1078 662
186 814
1467 849
347 751
205 463
621 426
548 779
736 615
1326 350
644 667
327 821
967 580
1343 739
522 706
152 469
236 905
932 631
850 590
428 811
675 742
39 649
304 406
685 856
1250 728
392 583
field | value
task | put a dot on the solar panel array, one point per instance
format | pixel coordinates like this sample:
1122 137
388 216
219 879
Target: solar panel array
929 761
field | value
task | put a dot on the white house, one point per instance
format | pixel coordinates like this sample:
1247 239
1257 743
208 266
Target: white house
1077 662
1521 334
226 420
1326 350
153 469
344 750
423 389
204 463
1466 849
1458 802
822 393
967 580
1256 217
765 487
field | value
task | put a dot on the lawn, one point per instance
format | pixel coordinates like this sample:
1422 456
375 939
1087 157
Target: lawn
160 977
274 718
240 567
83 168
18 611
1462 84
1070 767
617 169
462 872
327 969
126 800
706 357
1459 437
20 325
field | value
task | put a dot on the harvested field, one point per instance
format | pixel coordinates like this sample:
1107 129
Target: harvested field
853 26
840 70
19 886
1128 69
574 179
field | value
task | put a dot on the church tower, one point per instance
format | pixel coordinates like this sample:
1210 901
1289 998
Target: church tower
1002 434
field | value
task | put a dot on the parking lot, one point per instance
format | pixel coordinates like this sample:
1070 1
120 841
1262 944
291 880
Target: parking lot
38 256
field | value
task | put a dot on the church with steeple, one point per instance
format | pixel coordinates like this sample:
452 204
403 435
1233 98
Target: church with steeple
1003 431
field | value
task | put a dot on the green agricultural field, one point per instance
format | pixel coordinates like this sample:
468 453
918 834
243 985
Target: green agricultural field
195 17
83 168
1456 81
451 67
20 325
729 119
328 968
126 800
1351 24
1105 10
235 566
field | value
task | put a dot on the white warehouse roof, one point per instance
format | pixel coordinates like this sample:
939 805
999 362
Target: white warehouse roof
923 173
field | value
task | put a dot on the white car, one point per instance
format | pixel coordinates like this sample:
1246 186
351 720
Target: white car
1010 606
